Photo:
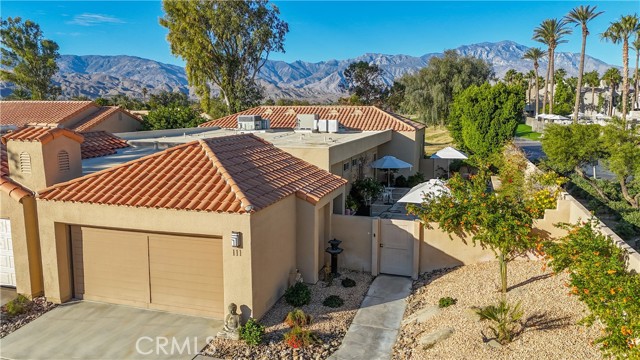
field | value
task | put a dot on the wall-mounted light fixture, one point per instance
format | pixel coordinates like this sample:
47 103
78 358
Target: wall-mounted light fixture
236 239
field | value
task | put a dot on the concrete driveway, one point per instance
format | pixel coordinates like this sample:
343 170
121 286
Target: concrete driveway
88 330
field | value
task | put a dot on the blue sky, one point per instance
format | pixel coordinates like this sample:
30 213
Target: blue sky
322 30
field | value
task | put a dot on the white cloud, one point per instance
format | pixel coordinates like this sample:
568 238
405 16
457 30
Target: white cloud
87 19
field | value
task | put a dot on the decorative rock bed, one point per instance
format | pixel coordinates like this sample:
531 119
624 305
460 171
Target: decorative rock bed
328 324
35 309
550 315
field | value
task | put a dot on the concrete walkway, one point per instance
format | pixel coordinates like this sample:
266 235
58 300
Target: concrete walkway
375 327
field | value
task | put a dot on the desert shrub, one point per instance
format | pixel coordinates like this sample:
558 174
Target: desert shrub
348 282
415 179
298 337
298 295
333 301
297 317
252 332
17 306
401 181
505 319
446 302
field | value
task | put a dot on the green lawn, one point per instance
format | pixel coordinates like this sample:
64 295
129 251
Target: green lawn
524 131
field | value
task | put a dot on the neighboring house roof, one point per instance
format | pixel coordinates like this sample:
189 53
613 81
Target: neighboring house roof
363 118
21 113
8 186
100 143
42 134
224 174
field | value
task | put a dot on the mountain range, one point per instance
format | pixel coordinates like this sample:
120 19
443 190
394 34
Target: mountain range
97 75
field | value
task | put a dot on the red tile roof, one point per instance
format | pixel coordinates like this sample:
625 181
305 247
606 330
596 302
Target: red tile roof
8 186
97 117
21 113
42 134
225 174
363 118
100 143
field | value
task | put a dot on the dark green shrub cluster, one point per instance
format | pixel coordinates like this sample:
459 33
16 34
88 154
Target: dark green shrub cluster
348 282
446 302
415 179
599 277
333 301
298 295
252 332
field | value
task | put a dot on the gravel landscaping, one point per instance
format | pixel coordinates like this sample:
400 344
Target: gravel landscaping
329 324
550 316
37 307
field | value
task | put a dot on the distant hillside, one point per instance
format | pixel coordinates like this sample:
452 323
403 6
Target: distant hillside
96 75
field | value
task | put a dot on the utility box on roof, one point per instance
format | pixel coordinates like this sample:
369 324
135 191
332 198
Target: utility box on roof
251 122
307 122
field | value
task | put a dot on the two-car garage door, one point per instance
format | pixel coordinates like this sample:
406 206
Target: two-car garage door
166 272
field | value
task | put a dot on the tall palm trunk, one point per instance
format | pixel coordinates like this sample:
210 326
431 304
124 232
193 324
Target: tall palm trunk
637 103
625 79
537 93
576 107
552 79
593 98
546 85
611 101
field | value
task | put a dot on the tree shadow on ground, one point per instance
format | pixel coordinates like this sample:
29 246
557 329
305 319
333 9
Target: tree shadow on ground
543 321
529 281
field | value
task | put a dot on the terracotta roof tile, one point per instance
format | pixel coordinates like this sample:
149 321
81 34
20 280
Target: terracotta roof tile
21 113
42 134
363 118
100 143
96 118
224 174
8 186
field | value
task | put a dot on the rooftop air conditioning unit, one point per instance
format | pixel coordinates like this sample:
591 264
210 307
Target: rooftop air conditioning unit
323 126
333 126
250 122
307 122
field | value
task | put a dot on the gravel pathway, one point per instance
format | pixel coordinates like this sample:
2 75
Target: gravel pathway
551 333
330 325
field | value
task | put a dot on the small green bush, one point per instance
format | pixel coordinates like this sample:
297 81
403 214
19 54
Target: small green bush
348 282
505 319
333 301
446 302
298 318
252 332
298 295
17 306
415 179
298 337
401 182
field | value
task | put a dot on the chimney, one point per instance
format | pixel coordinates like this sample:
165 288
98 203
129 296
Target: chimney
41 156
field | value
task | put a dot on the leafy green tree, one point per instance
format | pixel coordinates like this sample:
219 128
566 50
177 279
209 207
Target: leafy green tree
592 79
622 147
551 33
620 32
27 59
581 16
570 148
172 117
612 77
166 98
224 43
291 102
564 97
395 97
535 55
19 94
483 118
496 221
365 81
429 92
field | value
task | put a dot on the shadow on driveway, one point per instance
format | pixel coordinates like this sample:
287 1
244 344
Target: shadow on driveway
88 330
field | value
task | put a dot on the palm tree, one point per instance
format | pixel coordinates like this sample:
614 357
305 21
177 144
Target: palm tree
581 15
592 78
510 76
636 47
535 54
619 32
550 32
612 77
530 78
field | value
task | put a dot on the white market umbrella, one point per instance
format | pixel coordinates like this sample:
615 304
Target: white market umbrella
390 163
557 117
433 187
449 154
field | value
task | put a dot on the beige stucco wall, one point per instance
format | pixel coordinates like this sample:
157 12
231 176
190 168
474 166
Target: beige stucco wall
118 122
26 245
407 146
318 156
355 233
54 217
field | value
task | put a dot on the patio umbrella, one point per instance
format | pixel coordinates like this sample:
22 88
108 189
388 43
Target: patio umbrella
390 163
434 187
557 117
449 153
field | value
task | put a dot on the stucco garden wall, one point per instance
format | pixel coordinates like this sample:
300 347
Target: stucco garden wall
355 234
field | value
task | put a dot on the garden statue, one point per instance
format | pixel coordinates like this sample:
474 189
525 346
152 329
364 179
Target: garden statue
231 328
